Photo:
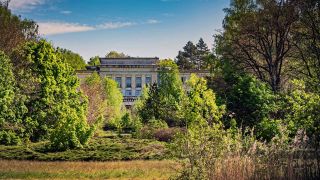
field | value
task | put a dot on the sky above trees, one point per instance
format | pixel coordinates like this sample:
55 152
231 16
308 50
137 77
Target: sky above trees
137 27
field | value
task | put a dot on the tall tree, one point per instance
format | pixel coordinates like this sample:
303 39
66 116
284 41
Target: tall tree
11 110
163 100
203 53
56 108
14 31
307 43
258 38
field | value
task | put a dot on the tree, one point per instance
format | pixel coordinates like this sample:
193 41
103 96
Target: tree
186 59
258 38
113 96
94 61
14 31
203 53
306 42
93 88
201 103
56 109
303 108
73 59
10 111
115 54
162 101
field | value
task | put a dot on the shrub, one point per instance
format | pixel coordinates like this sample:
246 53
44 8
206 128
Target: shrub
9 138
166 134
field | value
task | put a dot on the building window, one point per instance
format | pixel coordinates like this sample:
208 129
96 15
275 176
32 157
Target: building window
128 82
138 92
119 81
128 93
148 80
138 82
183 79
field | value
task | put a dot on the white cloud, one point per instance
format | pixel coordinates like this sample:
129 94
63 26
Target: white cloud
152 21
24 4
65 12
51 28
115 25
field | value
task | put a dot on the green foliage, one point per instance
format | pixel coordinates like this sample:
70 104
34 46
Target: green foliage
57 109
94 61
113 94
105 148
73 59
162 101
129 124
250 100
9 138
304 110
193 56
201 103
11 108
115 54
268 129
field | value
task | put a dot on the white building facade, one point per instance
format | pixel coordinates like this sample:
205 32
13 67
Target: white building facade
132 74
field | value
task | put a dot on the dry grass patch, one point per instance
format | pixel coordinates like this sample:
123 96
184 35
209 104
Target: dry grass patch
88 170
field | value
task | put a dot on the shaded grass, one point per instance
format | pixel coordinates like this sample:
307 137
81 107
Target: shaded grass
99 149
88 170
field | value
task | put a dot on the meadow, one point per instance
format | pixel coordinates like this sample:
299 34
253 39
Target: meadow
12 169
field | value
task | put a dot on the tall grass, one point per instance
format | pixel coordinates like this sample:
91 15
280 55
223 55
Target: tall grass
217 154
87 170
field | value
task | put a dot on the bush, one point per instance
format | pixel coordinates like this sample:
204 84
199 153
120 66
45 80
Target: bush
149 130
165 135
9 138
267 129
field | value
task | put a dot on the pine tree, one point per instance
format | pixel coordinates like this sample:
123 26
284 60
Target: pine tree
203 52
187 58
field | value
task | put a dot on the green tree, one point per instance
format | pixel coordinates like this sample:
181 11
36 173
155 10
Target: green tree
10 111
203 53
187 58
73 59
163 100
201 103
257 38
304 111
94 61
115 54
56 109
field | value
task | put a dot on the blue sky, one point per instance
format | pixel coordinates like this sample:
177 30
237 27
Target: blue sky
144 28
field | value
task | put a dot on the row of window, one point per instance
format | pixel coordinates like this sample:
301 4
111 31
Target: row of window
148 80
129 93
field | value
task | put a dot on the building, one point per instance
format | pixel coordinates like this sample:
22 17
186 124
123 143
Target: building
132 74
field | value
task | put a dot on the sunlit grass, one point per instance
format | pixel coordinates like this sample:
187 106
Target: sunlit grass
88 170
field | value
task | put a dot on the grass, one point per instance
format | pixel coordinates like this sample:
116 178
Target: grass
12 169
105 148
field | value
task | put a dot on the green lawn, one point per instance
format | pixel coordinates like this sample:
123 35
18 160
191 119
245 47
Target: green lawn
106 148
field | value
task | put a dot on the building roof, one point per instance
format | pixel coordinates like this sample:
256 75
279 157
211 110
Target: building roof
136 61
